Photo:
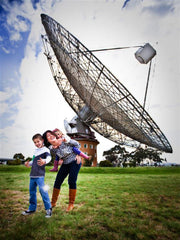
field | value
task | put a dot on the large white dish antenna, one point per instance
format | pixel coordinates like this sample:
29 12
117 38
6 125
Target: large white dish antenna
94 93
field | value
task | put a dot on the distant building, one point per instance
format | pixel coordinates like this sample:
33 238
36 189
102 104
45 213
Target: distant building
83 134
89 147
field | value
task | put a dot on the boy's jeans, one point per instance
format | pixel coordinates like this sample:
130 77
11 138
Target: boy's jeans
34 182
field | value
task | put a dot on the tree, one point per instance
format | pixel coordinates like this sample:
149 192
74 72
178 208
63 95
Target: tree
117 149
119 156
105 163
19 156
116 155
111 158
138 156
18 159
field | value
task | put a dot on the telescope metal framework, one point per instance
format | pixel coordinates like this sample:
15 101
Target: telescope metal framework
86 83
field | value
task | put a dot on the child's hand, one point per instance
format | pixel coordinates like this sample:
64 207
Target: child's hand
60 162
41 162
66 138
27 164
78 158
63 138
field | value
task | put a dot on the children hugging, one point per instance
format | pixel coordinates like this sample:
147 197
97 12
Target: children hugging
68 156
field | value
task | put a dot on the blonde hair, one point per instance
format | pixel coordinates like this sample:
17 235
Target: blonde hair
57 130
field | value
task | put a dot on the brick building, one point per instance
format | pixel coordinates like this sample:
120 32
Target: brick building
81 132
89 147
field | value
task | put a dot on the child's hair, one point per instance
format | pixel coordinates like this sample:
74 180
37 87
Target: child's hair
37 135
57 130
46 143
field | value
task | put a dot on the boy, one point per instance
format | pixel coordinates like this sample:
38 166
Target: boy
40 159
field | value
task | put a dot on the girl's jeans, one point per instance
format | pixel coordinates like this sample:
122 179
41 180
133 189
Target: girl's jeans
72 169
34 182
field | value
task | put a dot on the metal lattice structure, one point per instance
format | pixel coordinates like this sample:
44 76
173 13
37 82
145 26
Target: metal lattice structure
95 94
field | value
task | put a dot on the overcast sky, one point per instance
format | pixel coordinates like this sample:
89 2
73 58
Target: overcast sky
30 101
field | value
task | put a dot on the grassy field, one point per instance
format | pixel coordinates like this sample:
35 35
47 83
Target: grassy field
111 203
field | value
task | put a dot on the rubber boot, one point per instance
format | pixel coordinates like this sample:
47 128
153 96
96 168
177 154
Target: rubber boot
72 196
55 195
55 168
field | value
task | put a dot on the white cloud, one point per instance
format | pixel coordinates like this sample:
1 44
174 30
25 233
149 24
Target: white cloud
15 36
17 15
5 50
8 106
4 95
3 108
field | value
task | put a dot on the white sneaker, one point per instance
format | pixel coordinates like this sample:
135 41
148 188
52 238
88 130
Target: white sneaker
48 213
27 212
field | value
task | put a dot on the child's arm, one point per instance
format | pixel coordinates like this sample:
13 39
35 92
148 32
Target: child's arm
71 142
44 161
27 164
57 158
60 161
41 162
78 152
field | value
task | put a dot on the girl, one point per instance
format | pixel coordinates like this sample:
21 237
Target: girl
70 166
59 135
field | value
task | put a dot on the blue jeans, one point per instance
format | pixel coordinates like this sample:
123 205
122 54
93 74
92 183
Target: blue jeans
72 169
34 182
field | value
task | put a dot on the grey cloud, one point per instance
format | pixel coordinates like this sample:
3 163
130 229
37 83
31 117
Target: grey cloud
160 9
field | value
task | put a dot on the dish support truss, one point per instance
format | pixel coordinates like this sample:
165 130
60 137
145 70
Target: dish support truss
95 94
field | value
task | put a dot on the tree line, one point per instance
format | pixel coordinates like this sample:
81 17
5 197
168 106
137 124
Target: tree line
119 157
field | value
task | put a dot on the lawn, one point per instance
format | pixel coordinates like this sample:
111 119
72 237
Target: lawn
112 203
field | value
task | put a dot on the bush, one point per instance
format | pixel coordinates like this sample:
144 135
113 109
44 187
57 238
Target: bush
87 162
14 162
105 163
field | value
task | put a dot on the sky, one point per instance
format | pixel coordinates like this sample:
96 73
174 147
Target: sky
30 101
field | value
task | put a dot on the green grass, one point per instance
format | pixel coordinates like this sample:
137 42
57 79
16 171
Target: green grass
111 203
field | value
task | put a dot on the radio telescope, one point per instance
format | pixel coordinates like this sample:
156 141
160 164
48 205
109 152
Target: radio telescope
99 99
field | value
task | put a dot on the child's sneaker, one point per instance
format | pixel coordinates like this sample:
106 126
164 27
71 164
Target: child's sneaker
27 212
48 213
